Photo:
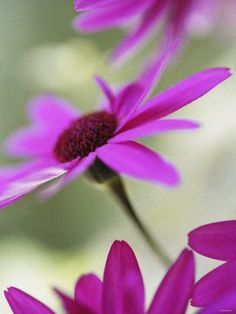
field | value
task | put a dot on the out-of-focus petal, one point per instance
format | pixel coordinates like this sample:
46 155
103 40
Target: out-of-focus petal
154 127
123 290
22 303
92 4
214 285
26 179
80 165
174 293
138 161
50 116
88 293
137 36
179 95
215 240
105 18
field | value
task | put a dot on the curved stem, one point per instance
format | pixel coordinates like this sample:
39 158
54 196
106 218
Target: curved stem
106 177
116 186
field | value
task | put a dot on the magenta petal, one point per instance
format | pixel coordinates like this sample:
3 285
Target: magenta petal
105 88
140 31
70 306
174 293
104 18
214 285
92 4
22 303
26 179
180 95
123 285
80 165
216 240
50 116
127 100
225 302
88 293
138 161
154 127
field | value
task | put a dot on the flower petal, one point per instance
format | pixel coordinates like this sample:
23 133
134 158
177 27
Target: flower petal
175 290
127 100
216 240
88 293
104 18
80 165
92 4
26 179
225 304
123 285
179 95
22 303
140 31
70 306
154 127
138 161
214 285
105 88
50 116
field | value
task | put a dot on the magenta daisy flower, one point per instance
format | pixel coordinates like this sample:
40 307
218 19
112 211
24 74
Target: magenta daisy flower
121 291
60 142
216 240
143 18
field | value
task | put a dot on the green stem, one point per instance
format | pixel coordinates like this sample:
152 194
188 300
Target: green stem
104 176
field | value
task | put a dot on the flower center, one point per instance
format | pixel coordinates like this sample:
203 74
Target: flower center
84 135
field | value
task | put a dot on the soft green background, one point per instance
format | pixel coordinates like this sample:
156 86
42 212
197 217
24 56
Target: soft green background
52 243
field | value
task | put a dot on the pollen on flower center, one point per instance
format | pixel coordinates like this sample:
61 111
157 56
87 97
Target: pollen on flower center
84 135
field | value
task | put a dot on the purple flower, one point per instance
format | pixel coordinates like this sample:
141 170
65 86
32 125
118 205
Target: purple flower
61 142
217 241
122 289
142 18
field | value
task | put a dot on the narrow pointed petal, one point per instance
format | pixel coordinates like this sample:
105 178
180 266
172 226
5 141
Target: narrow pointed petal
70 305
50 116
105 88
140 31
179 95
88 293
214 285
216 240
138 161
26 179
92 4
123 285
174 293
155 127
80 166
105 18
127 99
22 303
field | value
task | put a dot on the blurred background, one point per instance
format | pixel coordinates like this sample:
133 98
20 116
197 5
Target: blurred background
49 244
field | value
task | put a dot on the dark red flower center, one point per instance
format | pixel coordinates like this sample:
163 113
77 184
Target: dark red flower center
84 135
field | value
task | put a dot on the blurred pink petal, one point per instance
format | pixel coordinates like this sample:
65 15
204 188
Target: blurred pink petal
174 293
92 4
138 161
22 303
49 115
107 91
